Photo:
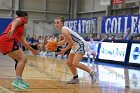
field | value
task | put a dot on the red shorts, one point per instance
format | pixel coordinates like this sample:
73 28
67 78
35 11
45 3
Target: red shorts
7 44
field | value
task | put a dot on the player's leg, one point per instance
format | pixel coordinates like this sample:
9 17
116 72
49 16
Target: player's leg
73 69
21 58
76 62
93 53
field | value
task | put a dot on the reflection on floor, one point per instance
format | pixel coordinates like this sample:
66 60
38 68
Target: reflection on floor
47 75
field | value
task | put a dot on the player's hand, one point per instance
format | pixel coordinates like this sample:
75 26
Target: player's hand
10 33
35 52
102 40
62 51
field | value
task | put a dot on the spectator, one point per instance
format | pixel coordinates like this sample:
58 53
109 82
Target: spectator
138 38
106 37
99 37
130 37
28 38
121 37
92 51
127 34
40 44
113 37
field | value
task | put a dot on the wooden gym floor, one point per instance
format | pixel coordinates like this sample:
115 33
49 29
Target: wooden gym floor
47 75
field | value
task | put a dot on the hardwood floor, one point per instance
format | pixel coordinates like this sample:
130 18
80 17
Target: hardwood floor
47 75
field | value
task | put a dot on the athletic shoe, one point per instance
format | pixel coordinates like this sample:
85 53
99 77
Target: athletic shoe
19 84
73 81
93 77
25 83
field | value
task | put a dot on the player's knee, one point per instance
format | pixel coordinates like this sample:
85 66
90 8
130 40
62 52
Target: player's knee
75 64
69 63
93 53
23 59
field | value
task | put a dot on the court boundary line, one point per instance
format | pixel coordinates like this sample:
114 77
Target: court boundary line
5 89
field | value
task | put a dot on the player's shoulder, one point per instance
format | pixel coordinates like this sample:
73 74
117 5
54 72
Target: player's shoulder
64 27
22 19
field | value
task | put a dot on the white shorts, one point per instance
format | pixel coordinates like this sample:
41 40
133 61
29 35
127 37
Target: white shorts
82 48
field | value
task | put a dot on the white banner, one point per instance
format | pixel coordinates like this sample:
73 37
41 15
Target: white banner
104 2
113 51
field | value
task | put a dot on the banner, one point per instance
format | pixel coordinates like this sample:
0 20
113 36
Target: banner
104 2
83 25
117 1
113 51
135 53
3 23
119 24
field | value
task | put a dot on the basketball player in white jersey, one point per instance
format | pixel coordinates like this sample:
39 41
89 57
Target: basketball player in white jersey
78 48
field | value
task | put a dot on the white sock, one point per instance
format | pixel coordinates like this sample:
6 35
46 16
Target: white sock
18 78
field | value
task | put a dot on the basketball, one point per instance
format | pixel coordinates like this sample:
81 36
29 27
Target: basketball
51 45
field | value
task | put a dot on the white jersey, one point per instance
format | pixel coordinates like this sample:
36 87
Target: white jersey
92 46
75 36
81 45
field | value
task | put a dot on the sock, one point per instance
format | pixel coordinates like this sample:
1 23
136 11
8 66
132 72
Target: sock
75 76
18 78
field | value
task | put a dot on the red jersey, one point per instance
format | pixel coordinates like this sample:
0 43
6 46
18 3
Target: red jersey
6 43
19 31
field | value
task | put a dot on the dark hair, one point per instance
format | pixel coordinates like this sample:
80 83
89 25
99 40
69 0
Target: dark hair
21 13
62 19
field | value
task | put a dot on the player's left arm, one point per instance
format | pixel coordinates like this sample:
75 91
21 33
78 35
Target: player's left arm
100 41
26 44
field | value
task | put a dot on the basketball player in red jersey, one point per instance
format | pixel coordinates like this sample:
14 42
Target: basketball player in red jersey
9 46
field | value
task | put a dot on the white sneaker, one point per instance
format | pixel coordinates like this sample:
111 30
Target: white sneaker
73 81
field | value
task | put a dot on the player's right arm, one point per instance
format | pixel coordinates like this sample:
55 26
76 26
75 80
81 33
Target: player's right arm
62 42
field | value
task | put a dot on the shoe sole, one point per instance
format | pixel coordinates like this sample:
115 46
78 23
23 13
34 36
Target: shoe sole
73 82
14 85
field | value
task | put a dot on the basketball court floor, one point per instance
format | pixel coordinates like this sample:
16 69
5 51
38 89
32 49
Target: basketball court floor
49 75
